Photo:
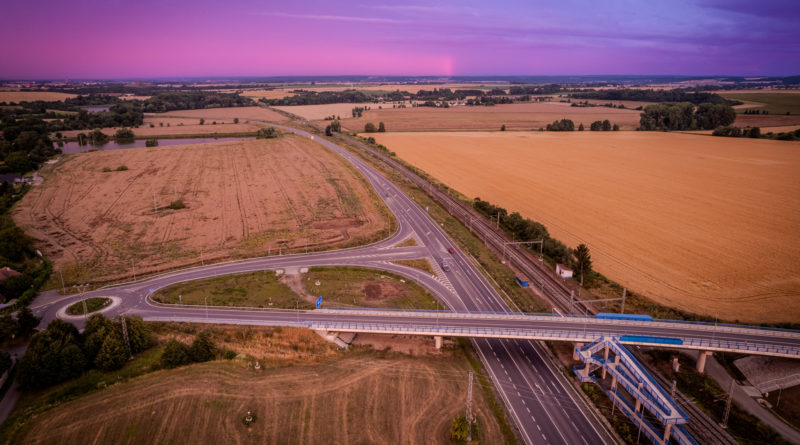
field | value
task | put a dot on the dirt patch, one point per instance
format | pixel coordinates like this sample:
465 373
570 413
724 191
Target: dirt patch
525 116
705 224
405 344
242 199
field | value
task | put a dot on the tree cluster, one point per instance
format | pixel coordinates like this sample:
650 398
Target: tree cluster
603 126
24 144
562 125
193 100
120 115
16 327
267 133
684 116
60 353
177 353
736 132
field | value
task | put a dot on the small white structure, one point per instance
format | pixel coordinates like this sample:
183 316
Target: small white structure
563 271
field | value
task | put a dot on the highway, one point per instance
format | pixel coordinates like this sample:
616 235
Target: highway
543 405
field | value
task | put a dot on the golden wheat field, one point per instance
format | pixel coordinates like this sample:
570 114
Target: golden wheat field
30 96
520 116
702 223
103 215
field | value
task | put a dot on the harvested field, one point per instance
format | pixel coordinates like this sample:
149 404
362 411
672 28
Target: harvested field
243 113
766 120
242 199
524 116
708 225
773 101
267 94
365 397
175 126
30 96
320 112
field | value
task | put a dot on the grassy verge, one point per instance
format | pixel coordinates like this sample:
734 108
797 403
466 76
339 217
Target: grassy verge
786 405
360 287
256 289
744 427
407 243
619 421
486 386
421 264
92 305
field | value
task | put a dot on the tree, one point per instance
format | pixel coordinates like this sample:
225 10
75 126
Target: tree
336 126
97 137
140 335
562 125
606 125
616 127
113 353
235 120
503 127
8 328
596 126
26 321
97 329
584 260
328 131
369 127
151 142
5 362
203 348
580 127
19 162
381 127
175 354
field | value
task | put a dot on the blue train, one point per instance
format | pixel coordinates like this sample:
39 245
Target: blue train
626 317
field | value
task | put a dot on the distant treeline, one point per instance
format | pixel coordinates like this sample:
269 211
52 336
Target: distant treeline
193 100
755 132
676 95
25 144
685 116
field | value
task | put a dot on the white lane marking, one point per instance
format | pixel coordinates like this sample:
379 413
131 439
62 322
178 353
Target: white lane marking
528 409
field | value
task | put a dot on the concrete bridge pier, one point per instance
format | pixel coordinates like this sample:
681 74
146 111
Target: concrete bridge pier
605 357
438 341
575 355
701 361
666 433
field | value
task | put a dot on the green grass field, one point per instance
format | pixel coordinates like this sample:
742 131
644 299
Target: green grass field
257 289
92 305
355 286
774 103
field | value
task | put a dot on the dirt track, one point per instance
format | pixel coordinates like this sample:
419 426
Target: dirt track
702 223
242 199
362 398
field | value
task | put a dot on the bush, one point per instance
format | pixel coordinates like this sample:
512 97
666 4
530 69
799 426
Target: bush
369 127
381 128
175 354
122 168
106 169
203 348
113 353
235 120
97 137
267 133
124 134
152 142
459 429
177 204
202 121
53 355
230 354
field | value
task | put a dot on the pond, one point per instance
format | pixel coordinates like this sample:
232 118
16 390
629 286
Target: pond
73 147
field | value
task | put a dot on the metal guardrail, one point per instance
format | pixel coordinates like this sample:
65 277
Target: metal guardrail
542 334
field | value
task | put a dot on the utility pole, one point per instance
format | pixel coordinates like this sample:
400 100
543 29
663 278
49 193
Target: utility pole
206 301
133 266
154 202
498 220
728 405
125 336
63 288
469 407
624 293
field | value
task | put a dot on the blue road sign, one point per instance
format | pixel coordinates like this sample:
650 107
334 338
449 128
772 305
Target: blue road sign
426 208
151 290
319 301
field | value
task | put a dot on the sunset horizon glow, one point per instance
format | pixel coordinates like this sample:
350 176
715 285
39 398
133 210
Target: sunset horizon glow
93 39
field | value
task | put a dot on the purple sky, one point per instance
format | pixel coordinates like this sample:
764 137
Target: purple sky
118 39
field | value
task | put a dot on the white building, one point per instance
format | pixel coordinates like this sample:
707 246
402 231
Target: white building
563 271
